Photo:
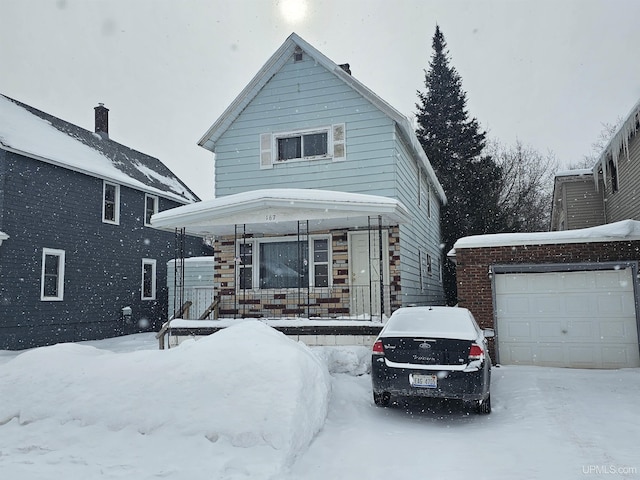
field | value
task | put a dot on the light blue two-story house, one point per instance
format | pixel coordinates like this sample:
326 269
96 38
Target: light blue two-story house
326 205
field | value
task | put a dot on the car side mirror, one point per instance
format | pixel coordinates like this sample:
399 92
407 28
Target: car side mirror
488 333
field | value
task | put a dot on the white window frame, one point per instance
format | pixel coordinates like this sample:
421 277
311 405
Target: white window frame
255 254
60 254
116 210
302 133
336 145
156 201
152 263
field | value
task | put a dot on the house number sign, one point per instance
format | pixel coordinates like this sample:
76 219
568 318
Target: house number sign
270 218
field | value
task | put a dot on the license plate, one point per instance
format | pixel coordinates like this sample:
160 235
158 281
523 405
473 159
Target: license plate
423 381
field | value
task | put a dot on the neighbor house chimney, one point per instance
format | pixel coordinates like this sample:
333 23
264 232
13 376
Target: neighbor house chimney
102 120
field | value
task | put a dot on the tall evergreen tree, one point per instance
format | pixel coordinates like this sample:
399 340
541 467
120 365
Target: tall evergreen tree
454 144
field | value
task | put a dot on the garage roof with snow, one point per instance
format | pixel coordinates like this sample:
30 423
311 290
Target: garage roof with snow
612 232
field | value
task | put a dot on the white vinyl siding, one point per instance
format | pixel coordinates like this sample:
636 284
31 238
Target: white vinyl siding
52 276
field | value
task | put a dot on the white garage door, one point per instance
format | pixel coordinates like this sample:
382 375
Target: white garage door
583 319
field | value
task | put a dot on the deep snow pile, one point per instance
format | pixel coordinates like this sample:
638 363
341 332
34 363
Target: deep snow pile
246 387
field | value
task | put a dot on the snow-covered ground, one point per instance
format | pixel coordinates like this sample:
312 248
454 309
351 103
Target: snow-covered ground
248 403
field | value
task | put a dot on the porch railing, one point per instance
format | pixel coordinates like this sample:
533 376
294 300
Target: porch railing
354 302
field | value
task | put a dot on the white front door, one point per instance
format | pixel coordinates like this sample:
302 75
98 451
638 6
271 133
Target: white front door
364 272
582 319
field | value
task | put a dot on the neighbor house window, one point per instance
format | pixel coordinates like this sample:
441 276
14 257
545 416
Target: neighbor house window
150 208
614 176
111 203
148 279
306 145
52 280
284 263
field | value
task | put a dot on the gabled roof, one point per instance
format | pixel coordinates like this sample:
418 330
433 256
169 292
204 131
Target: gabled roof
33 133
278 211
275 63
561 178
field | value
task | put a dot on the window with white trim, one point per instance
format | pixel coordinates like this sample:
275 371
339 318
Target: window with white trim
311 144
426 266
284 262
52 279
148 279
305 145
150 208
110 203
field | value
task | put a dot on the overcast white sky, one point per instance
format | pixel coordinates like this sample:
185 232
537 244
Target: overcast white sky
546 72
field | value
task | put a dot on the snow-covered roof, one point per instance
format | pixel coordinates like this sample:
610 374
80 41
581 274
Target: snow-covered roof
277 211
619 141
33 133
438 322
578 172
276 62
611 232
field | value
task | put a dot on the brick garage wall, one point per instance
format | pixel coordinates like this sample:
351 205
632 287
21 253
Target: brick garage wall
472 267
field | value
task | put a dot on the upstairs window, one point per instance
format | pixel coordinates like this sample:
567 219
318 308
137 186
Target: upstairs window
150 208
320 143
52 279
307 145
111 203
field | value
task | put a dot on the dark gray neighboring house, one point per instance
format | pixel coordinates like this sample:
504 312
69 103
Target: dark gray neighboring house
78 259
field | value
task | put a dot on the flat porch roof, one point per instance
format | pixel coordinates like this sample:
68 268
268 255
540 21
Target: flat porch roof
278 211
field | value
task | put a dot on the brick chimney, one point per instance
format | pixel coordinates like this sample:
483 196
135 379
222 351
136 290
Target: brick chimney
102 120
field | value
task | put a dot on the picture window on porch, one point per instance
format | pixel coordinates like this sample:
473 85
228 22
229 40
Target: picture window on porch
52 280
283 263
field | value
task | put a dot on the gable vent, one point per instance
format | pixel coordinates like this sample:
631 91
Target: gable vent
297 54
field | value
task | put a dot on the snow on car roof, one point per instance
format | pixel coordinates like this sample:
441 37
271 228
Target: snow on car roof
437 322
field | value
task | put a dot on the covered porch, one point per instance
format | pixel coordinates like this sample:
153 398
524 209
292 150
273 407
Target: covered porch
298 253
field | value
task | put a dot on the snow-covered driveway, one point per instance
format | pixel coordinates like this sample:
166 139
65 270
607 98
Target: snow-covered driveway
546 423
251 404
